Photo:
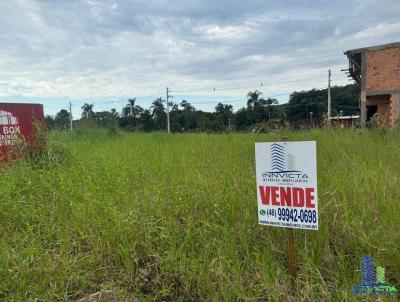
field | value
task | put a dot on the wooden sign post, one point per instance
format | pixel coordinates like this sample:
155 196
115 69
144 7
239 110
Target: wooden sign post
292 258
287 189
291 249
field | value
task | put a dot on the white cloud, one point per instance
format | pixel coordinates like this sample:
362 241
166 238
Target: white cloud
379 30
227 32
129 47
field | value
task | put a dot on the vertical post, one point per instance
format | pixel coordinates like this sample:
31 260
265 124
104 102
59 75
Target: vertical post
291 251
168 125
292 258
363 108
363 103
329 96
70 116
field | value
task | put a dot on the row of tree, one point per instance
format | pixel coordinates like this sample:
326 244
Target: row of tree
185 117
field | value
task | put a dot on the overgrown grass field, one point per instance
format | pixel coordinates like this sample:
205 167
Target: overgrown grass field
174 218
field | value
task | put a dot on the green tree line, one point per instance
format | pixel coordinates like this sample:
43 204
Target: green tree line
185 117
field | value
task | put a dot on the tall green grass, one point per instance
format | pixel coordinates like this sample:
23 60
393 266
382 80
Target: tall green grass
174 218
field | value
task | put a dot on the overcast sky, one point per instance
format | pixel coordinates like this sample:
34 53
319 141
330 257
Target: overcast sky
55 50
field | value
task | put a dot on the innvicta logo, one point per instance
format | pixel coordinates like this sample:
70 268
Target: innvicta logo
372 280
283 165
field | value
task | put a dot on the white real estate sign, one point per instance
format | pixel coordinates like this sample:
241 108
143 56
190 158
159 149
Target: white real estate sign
287 184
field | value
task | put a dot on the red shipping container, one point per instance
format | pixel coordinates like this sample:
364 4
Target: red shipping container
19 123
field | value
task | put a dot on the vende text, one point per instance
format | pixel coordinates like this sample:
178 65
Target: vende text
287 196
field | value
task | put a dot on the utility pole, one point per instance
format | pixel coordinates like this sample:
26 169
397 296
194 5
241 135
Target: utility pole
70 116
168 125
311 121
329 96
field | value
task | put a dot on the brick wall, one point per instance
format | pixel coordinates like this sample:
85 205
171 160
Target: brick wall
383 69
394 109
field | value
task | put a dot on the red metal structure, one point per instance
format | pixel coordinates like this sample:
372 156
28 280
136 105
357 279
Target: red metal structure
19 123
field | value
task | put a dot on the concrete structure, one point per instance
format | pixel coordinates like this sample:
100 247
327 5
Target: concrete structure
377 70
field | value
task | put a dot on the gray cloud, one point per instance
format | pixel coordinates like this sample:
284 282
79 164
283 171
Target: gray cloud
97 48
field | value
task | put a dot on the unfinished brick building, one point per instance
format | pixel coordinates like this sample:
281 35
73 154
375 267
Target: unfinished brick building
377 70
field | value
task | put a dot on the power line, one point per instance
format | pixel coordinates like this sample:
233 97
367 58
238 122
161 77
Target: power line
237 101
118 102
215 89
247 86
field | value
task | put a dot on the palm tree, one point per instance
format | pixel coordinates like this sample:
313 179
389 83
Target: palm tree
187 106
128 109
158 112
88 112
132 111
253 98
131 105
157 108
269 103
136 112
